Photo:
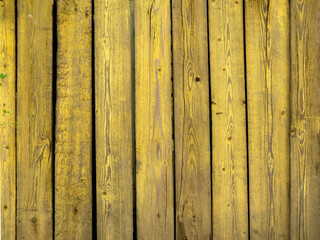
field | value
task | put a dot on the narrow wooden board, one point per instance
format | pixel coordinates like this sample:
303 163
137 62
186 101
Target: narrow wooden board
305 120
34 114
7 130
154 167
73 149
268 72
191 119
113 81
228 107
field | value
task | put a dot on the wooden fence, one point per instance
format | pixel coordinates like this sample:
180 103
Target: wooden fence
159 119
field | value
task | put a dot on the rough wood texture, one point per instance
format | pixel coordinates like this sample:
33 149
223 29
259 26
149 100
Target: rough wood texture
7 130
34 113
154 168
113 119
191 115
305 120
73 163
268 66
228 107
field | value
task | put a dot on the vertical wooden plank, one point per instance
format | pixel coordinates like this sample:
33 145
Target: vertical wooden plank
73 163
228 105
305 120
34 113
7 128
113 80
191 119
155 219
268 66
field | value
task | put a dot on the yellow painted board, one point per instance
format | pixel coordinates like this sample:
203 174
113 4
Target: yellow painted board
268 73
153 120
191 119
228 107
305 120
7 128
34 114
73 133
113 86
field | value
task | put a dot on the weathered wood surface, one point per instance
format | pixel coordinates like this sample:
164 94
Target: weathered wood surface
7 128
34 113
228 107
113 86
153 120
191 119
268 73
305 120
206 125
73 133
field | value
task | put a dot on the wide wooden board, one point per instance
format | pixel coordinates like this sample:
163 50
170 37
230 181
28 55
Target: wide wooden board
34 115
153 120
73 133
305 120
113 100
191 119
268 73
228 107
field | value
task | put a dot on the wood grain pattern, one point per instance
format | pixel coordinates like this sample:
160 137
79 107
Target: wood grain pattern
7 130
228 107
113 81
191 116
34 113
305 120
73 149
268 66
154 167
